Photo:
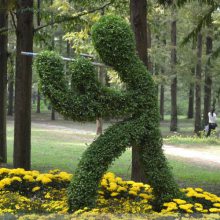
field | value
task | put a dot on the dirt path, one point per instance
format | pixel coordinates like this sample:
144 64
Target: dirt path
209 156
194 155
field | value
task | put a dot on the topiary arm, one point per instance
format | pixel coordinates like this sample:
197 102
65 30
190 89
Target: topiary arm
85 99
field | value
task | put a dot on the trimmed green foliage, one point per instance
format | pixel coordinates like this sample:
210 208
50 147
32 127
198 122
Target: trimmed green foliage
87 99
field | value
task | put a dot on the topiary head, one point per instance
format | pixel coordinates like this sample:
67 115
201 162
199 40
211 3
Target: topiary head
114 40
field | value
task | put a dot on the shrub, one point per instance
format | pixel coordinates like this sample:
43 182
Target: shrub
88 100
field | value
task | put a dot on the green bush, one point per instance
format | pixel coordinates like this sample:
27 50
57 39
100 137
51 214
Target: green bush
87 100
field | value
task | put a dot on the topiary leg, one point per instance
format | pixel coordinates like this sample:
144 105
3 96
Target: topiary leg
94 163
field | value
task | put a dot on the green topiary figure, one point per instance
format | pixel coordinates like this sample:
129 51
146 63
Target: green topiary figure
87 99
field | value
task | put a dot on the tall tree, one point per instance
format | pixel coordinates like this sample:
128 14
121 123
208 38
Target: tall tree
198 77
11 86
138 18
10 98
162 102
173 122
23 84
102 79
190 111
53 114
38 100
208 81
3 79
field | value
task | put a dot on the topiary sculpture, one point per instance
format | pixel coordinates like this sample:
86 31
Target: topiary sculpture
87 99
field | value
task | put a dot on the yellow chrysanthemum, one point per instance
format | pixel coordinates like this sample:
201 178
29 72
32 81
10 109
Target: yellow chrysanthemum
35 189
109 175
4 170
186 207
138 185
145 196
114 194
16 178
112 186
5 181
101 192
29 178
65 176
121 188
198 205
18 171
179 201
132 193
170 204
35 173
47 196
216 210
2 185
104 183
199 189
130 182
44 179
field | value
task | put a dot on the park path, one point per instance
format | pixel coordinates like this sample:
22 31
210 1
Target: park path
193 154
198 155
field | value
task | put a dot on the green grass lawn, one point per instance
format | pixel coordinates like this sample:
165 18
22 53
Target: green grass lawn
57 148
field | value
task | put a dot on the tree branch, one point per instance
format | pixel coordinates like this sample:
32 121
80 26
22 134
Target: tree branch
72 18
3 30
205 20
13 20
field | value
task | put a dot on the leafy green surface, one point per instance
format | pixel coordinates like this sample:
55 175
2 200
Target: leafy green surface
88 99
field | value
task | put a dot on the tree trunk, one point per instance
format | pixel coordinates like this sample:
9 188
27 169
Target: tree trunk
68 49
10 97
191 100
208 82
137 173
173 122
3 80
99 121
149 62
53 116
38 12
38 101
190 113
138 18
23 84
99 125
156 73
198 85
162 102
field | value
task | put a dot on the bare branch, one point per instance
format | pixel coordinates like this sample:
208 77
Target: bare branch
205 20
3 30
13 20
72 18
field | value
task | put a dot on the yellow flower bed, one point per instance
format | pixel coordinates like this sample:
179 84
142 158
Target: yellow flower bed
92 216
31 191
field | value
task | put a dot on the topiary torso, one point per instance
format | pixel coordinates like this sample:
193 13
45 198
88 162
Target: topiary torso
86 99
